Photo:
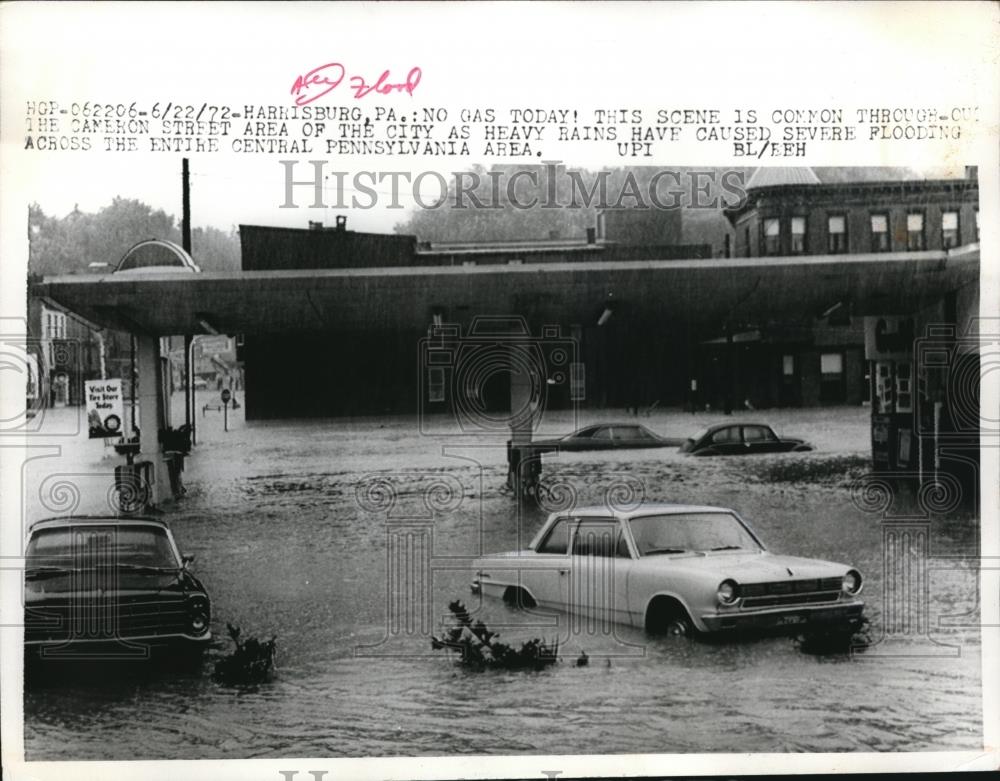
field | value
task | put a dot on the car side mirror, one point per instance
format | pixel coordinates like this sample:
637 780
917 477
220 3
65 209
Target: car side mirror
187 559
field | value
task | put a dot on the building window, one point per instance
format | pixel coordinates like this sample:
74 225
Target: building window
836 227
746 241
880 233
435 384
904 388
949 229
772 237
55 325
831 363
577 381
884 396
832 386
788 365
915 232
798 236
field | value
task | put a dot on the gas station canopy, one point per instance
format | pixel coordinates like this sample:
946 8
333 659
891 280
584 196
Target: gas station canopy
700 293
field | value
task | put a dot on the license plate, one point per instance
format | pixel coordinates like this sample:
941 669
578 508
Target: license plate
786 620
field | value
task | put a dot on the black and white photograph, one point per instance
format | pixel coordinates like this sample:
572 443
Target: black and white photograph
376 389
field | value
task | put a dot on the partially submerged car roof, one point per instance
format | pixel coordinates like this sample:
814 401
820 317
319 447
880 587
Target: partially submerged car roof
727 423
660 508
600 511
82 520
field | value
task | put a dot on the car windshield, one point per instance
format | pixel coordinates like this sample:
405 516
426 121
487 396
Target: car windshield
87 547
685 532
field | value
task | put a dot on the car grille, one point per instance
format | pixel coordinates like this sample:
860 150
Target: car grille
789 592
105 619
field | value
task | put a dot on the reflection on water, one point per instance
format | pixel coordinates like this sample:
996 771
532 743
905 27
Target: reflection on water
295 550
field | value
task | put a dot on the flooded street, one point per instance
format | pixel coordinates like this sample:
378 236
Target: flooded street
295 529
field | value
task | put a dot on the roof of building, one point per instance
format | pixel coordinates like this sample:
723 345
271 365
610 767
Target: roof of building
815 191
778 175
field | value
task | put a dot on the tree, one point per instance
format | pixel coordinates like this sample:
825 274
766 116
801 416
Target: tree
68 245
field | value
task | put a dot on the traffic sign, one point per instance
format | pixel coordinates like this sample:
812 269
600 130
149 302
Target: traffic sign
226 395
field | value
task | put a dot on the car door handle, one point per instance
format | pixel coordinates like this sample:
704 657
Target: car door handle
563 571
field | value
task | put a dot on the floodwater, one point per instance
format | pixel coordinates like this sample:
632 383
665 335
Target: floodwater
294 526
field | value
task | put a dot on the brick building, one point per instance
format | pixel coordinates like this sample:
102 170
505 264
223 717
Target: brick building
789 212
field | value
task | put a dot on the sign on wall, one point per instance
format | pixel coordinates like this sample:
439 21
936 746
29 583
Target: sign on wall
889 338
105 411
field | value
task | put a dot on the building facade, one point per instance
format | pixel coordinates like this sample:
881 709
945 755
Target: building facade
66 352
795 214
789 212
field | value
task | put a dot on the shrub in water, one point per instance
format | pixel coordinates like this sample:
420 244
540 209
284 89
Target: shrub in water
479 649
251 662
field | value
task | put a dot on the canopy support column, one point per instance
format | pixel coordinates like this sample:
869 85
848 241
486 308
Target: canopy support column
152 405
526 390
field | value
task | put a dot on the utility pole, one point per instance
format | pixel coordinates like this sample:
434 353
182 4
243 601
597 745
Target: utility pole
188 338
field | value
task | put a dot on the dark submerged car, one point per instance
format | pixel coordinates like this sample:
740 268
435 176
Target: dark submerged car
738 439
606 436
111 588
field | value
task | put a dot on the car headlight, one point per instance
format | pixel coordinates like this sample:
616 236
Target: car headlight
198 617
852 582
727 592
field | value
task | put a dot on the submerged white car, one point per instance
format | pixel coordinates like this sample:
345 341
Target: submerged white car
678 569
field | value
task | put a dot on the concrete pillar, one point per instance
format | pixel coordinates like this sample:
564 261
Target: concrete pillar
189 397
521 407
151 415
524 467
727 398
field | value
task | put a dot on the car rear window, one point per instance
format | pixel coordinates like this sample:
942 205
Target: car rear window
757 434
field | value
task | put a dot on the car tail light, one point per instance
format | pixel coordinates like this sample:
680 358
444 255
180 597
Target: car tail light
852 582
727 592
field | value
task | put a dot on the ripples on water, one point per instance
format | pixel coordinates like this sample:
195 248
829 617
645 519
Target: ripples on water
285 545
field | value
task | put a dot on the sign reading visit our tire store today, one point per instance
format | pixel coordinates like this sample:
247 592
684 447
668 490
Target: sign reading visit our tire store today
104 408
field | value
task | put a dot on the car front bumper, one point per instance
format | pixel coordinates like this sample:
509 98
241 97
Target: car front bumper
835 616
131 647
